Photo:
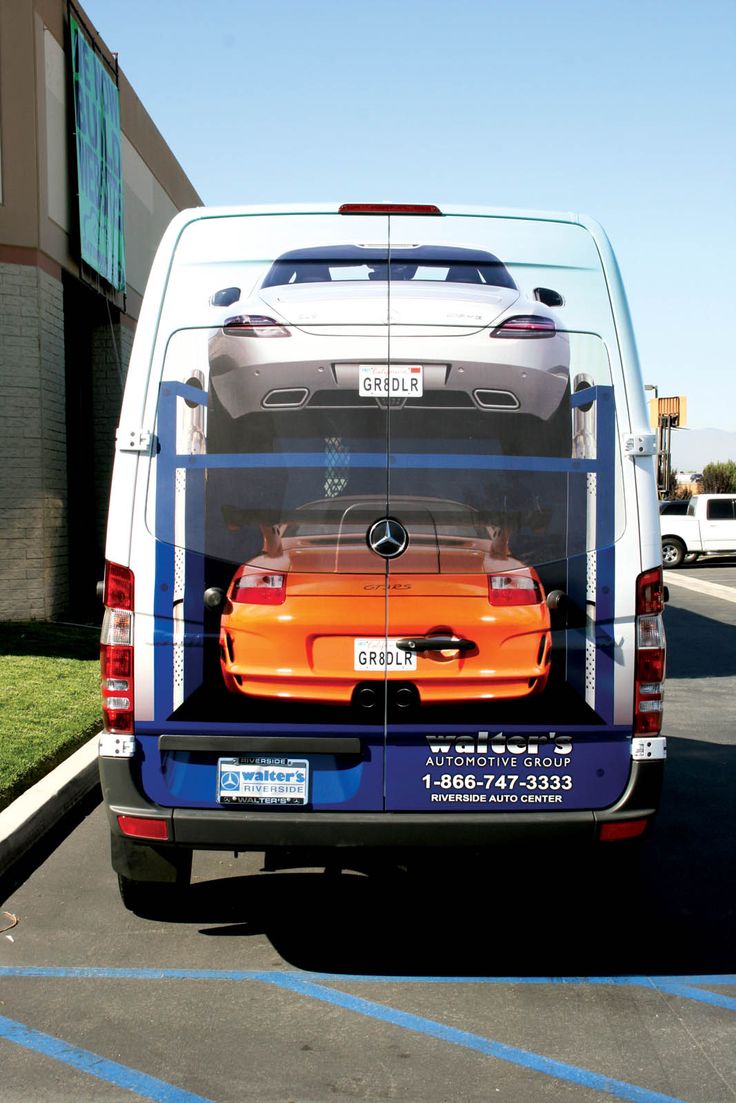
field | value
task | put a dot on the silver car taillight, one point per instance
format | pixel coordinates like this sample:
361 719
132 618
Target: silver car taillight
526 325
254 325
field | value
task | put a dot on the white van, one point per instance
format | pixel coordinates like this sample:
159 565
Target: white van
384 551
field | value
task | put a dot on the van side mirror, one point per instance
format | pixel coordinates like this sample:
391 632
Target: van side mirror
225 297
549 297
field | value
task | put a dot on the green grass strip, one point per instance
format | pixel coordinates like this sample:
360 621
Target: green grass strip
49 699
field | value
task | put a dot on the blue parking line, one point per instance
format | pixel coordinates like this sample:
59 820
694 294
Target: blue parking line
700 995
102 973
705 978
683 987
315 986
149 1087
110 973
510 1054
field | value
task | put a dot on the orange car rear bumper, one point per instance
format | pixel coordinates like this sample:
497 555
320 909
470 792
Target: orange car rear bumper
305 649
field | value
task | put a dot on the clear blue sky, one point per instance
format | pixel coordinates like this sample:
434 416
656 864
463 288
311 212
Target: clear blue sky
624 111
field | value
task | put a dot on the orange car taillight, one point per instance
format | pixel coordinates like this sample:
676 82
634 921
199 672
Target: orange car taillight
259 589
116 650
513 589
650 653
254 325
526 325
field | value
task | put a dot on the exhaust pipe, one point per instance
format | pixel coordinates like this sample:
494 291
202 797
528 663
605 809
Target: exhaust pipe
369 696
405 697
365 697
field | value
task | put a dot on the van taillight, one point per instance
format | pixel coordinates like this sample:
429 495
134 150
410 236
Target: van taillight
116 650
118 587
259 589
650 653
144 827
513 589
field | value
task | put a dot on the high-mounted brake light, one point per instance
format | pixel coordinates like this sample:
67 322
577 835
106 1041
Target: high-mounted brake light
649 667
526 325
254 325
390 208
259 589
116 650
513 589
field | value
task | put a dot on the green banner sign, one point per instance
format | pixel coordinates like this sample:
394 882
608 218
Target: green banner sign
99 164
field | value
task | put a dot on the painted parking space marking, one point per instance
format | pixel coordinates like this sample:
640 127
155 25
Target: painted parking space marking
319 986
688 992
700 586
112 1072
693 988
535 1062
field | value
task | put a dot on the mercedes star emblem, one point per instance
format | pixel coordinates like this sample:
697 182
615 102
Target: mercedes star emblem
388 538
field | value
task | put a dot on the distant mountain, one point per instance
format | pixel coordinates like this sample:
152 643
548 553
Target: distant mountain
692 449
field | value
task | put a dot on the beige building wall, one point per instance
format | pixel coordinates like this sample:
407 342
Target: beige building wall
64 345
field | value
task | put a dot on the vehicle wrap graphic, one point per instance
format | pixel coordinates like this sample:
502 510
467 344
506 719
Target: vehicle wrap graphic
399 492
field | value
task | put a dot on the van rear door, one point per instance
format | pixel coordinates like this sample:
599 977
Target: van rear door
504 473
263 665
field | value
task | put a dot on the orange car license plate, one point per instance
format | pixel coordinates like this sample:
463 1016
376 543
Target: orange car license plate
381 654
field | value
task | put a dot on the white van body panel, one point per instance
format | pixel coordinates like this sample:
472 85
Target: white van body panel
580 519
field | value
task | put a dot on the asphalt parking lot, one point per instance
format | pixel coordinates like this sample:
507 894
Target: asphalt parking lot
483 981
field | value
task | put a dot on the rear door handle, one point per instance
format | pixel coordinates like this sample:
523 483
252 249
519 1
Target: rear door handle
415 644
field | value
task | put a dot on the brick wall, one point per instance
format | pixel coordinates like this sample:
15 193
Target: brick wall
33 488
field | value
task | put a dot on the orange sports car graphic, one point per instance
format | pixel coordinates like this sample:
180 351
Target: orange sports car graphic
307 619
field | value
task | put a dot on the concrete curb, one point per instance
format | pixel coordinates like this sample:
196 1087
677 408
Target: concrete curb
40 808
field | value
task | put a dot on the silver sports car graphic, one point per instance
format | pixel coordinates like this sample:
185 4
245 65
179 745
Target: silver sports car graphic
344 326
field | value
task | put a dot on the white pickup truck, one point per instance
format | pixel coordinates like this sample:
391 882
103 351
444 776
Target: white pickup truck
708 527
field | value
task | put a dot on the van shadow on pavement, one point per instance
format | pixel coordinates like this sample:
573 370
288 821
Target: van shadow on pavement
539 913
687 657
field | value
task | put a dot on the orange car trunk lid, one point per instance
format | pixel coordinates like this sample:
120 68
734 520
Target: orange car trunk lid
346 566
341 586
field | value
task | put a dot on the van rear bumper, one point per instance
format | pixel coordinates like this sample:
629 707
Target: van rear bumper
230 829
411 830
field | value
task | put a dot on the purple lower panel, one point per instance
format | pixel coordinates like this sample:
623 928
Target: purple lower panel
517 769
184 779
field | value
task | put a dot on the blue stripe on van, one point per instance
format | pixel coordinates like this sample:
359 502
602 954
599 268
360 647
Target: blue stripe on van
163 661
443 461
194 578
605 517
